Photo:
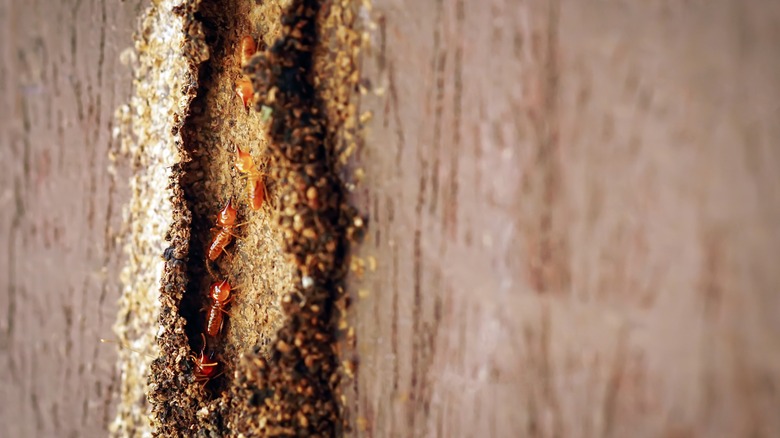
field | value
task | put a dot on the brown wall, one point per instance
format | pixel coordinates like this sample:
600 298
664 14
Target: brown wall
60 82
572 211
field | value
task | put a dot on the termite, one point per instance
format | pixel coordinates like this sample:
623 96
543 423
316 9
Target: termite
226 222
204 366
255 186
220 296
244 90
248 48
244 85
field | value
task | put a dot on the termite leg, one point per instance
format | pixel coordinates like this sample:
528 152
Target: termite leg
206 380
251 175
265 194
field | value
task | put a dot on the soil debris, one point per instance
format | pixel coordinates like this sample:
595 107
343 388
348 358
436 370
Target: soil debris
279 366
295 389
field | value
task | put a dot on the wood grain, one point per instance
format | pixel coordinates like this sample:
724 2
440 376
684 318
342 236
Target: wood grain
572 210
60 82
574 220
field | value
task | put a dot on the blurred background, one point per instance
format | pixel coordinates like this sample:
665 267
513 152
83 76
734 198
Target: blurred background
573 218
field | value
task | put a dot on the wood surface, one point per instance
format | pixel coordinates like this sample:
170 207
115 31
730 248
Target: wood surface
574 214
60 81
572 205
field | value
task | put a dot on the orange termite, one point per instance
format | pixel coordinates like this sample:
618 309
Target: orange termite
220 296
244 85
204 366
255 186
245 91
226 222
248 48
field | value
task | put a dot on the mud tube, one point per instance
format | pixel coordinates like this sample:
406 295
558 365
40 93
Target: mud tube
273 366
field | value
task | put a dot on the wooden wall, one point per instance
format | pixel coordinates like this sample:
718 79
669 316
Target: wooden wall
573 213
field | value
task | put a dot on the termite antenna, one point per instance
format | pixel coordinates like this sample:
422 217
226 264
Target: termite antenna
208 268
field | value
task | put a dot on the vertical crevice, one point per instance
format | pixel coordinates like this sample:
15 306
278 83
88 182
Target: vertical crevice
278 351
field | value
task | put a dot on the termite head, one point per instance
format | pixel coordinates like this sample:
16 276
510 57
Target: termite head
248 48
205 365
244 90
227 217
244 162
220 292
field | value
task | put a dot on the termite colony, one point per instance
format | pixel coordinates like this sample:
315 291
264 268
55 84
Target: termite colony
222 234
289 386
296 385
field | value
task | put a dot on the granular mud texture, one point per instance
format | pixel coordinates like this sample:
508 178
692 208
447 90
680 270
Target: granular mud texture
294 390
279 352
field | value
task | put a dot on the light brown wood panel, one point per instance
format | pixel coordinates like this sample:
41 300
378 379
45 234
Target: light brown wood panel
574 218
572 211
60 82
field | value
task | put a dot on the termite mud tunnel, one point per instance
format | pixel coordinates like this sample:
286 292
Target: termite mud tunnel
288 383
